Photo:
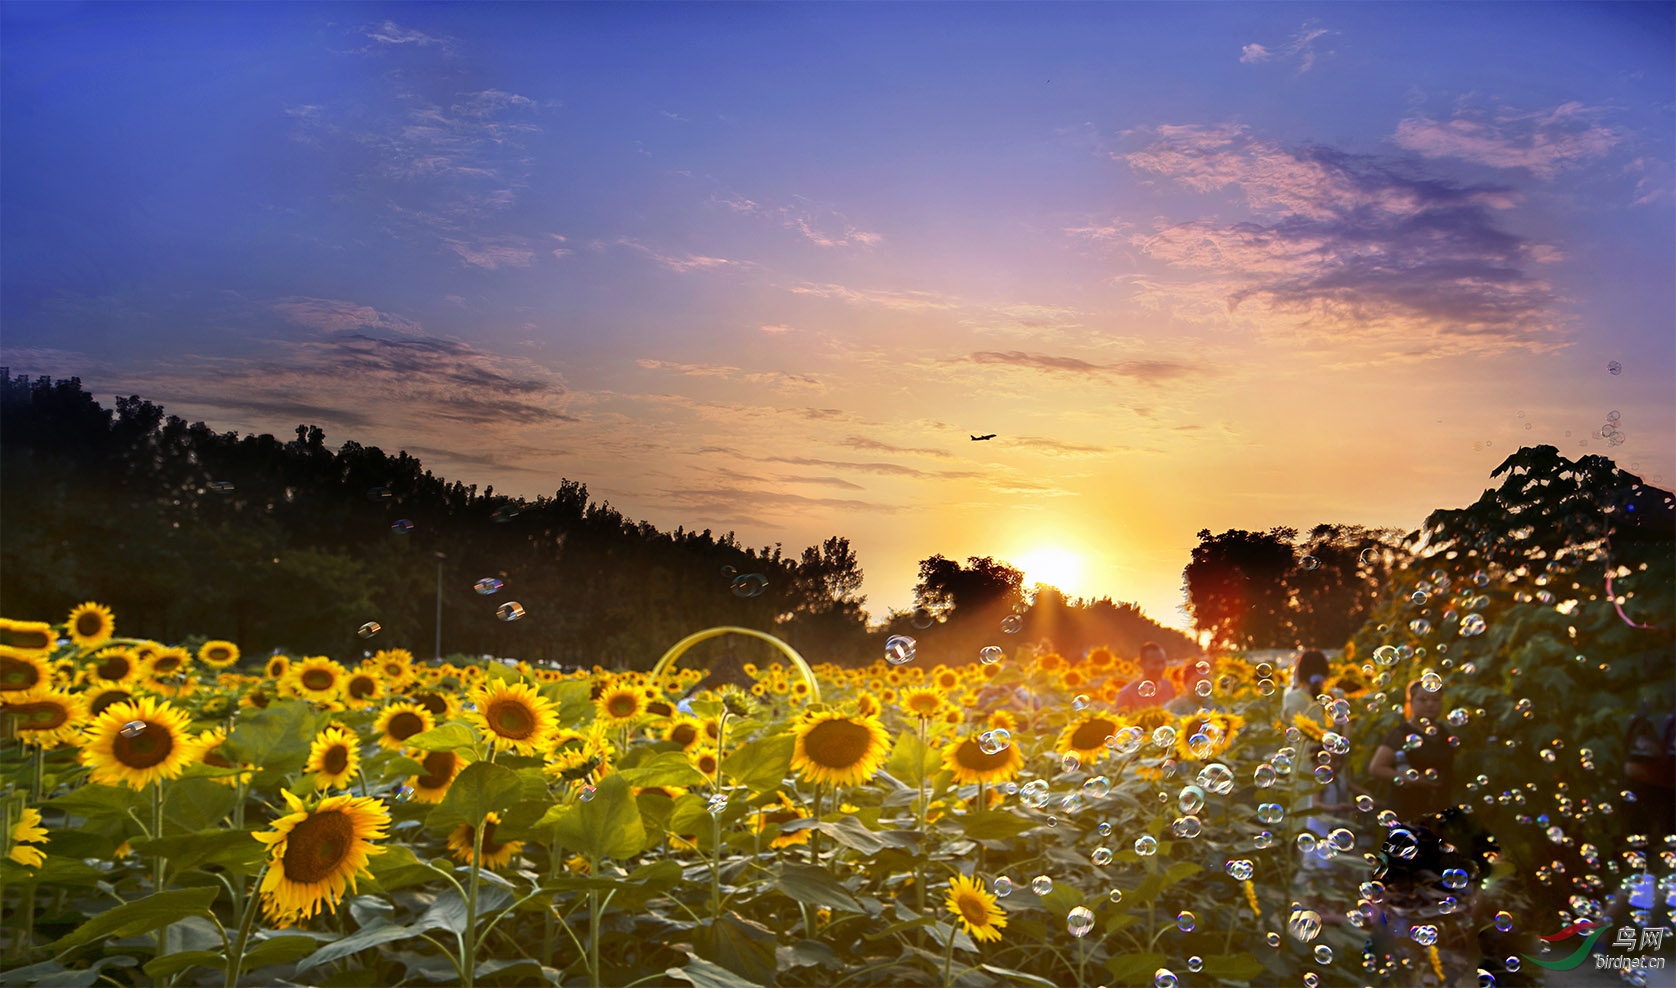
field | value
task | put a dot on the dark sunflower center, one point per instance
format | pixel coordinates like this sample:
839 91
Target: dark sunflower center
511 719
490 846
1092 734
146 748
319 679
405 725
115 667
973 909
439 769
17 674
621 705
658 708
837 744
335 760
89 624
42 716
361 687
684 734
922 704
430 701
973 757
218 654
214 758
106 700
259 700
165 664
392 669
316 848
31 638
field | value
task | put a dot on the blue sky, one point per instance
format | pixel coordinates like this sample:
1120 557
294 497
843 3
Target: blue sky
764 268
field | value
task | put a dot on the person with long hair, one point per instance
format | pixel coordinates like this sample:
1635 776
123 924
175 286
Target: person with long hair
1309 678
1415 757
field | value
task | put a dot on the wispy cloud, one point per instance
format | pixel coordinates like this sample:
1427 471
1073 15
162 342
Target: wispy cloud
873 467
1543 143
876 446
819 224
914 301
1300 46
495 252
331 315
1149 371
776 379
1344 244
674 262
393 35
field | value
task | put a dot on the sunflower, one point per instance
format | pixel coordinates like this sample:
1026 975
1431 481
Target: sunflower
441 705
157 662
218 654
209 743
976 909
362 689
91 625
45 717
969 763
334 758
316 678
26 831
34 637
1149 719
1050 662
1086 736
1100 659
400 721
138 742
1218 727
315 854
618 706
704 759
513 716
113 666
684 731
101 700
276 666
440 769
1002 718
832 748
945 679
495 854
800 690
922 703
781 811
21 672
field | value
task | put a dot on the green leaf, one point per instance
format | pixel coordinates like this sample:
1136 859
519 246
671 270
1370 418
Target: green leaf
360 940
161 967
1234 967
452 736
761 765
743 947
228 848
666 768
992 825
1018 977
277 950
481 788
141 916
397 868
54 870
50 974
606 826
279 734
1179 870
704 974
912 760
806 883
575 700
852 833
1134 969
95 801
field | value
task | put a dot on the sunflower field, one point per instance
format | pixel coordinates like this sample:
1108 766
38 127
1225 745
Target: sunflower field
194 816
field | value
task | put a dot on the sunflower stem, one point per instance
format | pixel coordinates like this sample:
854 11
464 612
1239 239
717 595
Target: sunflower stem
815 834
235 957
468 937
948 958
593 924
37 775
159 869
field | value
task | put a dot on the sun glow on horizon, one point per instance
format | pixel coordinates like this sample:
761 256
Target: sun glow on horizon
1055 566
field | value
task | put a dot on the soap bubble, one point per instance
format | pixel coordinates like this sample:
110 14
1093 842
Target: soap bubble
1472 625
1401 843
1102 856
1458 717
1511 963
1374 892
1191 799
1430 681
510 611
1263 775
1195 963
1098 787
748 585
1306 842
900 649
1146 846
1187 827
1041 885
922 618
1079 921
1070 762
586 794
1164 737
402 526
1342 839
1115 896
1202 688
1003 887
1310 562
369 629
1420 626
1425 936
1148 688
1504 921
487 586
1323 954
1273 939
991 654
133 728
1270 813
1163 978
1012 624
1368 557
1035 793
1071 803
1241 870
1454 878
1265 687
1185 921
1105 829
1304 925
1323 774
1364 802
717 803
1614 368
1217 777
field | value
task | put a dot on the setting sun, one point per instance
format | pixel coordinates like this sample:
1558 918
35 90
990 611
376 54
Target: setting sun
1053 566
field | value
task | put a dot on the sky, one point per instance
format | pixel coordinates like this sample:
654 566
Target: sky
767 268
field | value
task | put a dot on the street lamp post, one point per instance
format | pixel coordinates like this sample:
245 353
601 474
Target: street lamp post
439 558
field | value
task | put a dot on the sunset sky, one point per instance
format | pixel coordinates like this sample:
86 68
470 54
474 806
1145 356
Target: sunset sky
765 268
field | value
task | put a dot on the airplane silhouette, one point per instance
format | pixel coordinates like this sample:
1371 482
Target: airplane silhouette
980 438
